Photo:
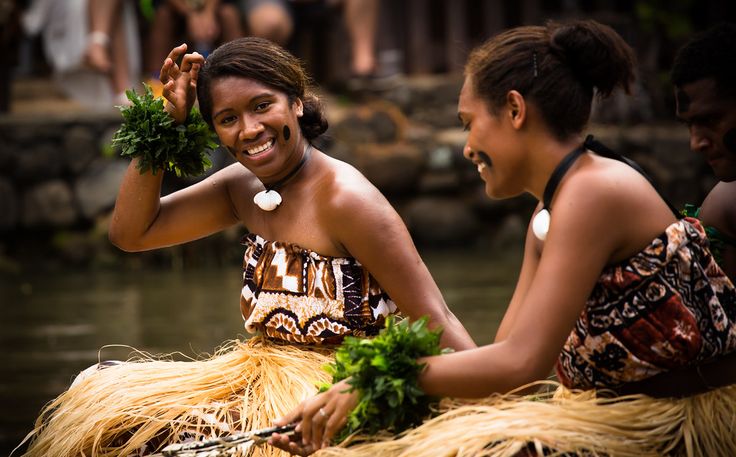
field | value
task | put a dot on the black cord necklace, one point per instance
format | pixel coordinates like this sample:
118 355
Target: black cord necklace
269 199
540 223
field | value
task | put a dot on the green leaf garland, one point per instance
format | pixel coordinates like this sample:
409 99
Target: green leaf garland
385 371
150 133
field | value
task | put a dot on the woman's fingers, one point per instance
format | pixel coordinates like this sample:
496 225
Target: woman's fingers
334 424
312 420
170 70
284 442
305 427
319 422
176 52
291 417
180 81
164 74
193 75
298 449
320 418
189 60
341 403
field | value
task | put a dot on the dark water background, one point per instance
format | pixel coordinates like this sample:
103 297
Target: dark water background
54 325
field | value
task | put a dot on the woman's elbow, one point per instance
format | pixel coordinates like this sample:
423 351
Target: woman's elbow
530 368
121 241
454 334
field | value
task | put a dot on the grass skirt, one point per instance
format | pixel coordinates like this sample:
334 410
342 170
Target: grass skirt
564 422
117 410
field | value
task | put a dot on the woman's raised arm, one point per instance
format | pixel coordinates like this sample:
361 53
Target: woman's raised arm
143 220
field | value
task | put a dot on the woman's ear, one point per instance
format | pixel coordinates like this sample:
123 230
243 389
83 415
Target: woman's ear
516 106
298 106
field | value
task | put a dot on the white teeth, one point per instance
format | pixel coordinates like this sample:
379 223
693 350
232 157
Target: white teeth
481 167
260 148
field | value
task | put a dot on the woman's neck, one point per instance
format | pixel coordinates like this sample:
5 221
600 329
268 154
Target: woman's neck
546 152
293 167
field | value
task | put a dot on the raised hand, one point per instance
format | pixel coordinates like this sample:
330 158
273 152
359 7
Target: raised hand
180 82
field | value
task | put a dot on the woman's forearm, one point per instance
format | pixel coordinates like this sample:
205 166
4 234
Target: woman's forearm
136 207
478 372
455 336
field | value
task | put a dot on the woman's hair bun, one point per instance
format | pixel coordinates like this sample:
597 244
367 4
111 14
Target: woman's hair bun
313 122
595 53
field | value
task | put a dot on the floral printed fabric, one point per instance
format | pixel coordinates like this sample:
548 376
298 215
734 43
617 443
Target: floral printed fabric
669 306
297 295
719 241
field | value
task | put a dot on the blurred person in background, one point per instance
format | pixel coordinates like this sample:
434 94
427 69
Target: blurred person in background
704 75
10 41
106 48
270 19
203 23
275 20
92 47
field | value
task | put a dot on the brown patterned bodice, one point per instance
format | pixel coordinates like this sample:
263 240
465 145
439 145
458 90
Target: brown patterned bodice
297 295
669 306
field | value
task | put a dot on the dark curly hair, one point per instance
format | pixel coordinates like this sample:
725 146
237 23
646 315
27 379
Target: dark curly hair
558 67
709 54
266 62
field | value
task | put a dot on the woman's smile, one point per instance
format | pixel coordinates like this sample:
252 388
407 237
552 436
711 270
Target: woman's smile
483 163
260 148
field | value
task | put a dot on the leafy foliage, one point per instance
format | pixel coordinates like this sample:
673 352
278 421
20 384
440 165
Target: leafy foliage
673 18
384 370
149 132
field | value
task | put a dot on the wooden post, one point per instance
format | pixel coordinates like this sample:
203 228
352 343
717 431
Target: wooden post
456 42
531 12
419 40
494 17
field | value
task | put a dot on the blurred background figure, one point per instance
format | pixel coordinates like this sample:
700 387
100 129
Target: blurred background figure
704 76
10 40
202 24
280 20
92 47
106 50
270 19
361 19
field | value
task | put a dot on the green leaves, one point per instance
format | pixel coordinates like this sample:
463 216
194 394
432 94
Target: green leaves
148 132
384 370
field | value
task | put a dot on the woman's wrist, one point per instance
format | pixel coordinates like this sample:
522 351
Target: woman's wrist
384 371
176 114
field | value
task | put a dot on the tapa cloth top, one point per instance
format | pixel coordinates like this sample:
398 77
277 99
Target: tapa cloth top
670 306
294 294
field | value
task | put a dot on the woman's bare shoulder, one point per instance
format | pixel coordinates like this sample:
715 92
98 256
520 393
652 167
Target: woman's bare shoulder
617 205
719 208
345 186
607 183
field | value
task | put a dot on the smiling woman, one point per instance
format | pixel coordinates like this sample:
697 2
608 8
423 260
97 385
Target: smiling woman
328 258
617 293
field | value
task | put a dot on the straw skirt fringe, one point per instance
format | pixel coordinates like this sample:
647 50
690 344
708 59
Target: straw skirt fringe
117 410
564 422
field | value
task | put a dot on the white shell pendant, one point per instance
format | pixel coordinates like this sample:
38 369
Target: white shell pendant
540 224
267 200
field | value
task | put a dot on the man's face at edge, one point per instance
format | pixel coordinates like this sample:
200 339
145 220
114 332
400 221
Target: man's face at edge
711 120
